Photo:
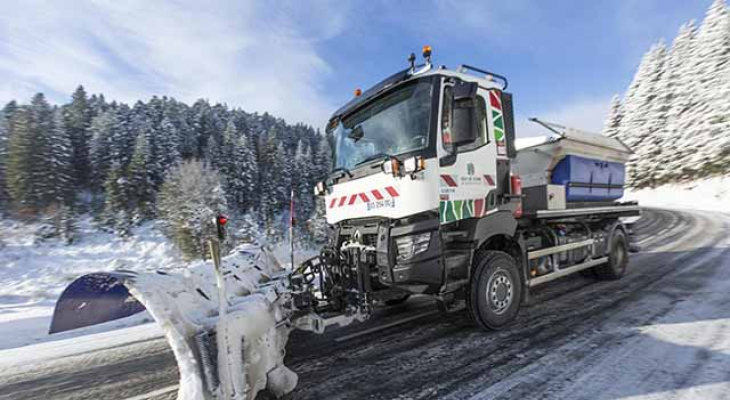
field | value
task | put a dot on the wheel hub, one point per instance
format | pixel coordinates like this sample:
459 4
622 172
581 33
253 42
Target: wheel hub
499 292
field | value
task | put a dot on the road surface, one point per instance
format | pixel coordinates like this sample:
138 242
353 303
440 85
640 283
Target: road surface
663 331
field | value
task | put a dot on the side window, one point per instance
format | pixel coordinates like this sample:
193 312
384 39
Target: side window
483 135
446 115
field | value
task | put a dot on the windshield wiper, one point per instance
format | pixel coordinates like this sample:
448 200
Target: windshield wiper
374 157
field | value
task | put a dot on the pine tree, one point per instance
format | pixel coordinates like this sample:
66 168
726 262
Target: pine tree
102 134
60 183
323 158
638 108
20 164
168 150
680 93
142 192
302 183
613 121
4 139
77 120
710 114
116 215
248 169
30 157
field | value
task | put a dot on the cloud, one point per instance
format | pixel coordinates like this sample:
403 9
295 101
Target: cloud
585 114
241 53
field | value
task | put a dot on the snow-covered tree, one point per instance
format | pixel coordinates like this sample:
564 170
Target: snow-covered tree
303 173
142 193
116 215
123 154
248 169
613 121
676 114
191 197
77 121
641 111
168 144
60 155
710 116
4 139
101 148
680 92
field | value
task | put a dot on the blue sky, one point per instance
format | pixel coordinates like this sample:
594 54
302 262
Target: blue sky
300 60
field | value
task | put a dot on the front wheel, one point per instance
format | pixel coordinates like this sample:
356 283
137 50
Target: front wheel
495 291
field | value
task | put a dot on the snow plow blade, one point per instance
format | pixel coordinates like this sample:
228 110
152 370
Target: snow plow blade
94 299
233 356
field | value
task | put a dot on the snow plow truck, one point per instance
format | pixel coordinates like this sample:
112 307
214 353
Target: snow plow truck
427 195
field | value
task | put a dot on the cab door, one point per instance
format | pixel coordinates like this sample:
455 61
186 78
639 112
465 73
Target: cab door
467 174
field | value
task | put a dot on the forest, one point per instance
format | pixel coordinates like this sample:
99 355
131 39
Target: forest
675 115
161 159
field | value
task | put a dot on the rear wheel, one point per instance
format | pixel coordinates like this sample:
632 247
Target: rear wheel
618 258
495 291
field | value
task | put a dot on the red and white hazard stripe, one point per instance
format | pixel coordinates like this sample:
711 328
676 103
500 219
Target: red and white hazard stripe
449 180
389 192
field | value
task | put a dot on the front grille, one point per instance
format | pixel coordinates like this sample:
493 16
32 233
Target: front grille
369 239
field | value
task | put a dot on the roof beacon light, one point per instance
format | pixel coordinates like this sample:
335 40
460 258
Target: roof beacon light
358 92
427 53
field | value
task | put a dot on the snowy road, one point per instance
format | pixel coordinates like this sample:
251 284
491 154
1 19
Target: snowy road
661 332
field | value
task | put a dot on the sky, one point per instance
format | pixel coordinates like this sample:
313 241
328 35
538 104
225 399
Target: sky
300 60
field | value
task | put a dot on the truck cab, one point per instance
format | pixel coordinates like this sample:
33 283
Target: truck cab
419 159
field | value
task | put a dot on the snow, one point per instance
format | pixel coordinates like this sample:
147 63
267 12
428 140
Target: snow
711 194
33 275
70 345
182 300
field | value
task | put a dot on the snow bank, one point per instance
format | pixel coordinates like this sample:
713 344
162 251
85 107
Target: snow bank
33 275
711 194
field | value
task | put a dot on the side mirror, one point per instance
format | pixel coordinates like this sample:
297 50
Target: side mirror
464 129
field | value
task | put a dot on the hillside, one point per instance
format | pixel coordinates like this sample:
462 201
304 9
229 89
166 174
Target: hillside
112 160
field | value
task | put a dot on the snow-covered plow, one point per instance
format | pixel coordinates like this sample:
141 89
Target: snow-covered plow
233 355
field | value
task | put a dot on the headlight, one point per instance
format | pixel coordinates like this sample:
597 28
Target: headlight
409 246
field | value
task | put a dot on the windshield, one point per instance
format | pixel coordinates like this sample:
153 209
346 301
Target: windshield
395 124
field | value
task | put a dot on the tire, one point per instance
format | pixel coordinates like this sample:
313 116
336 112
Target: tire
618 258
399 300
495 290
